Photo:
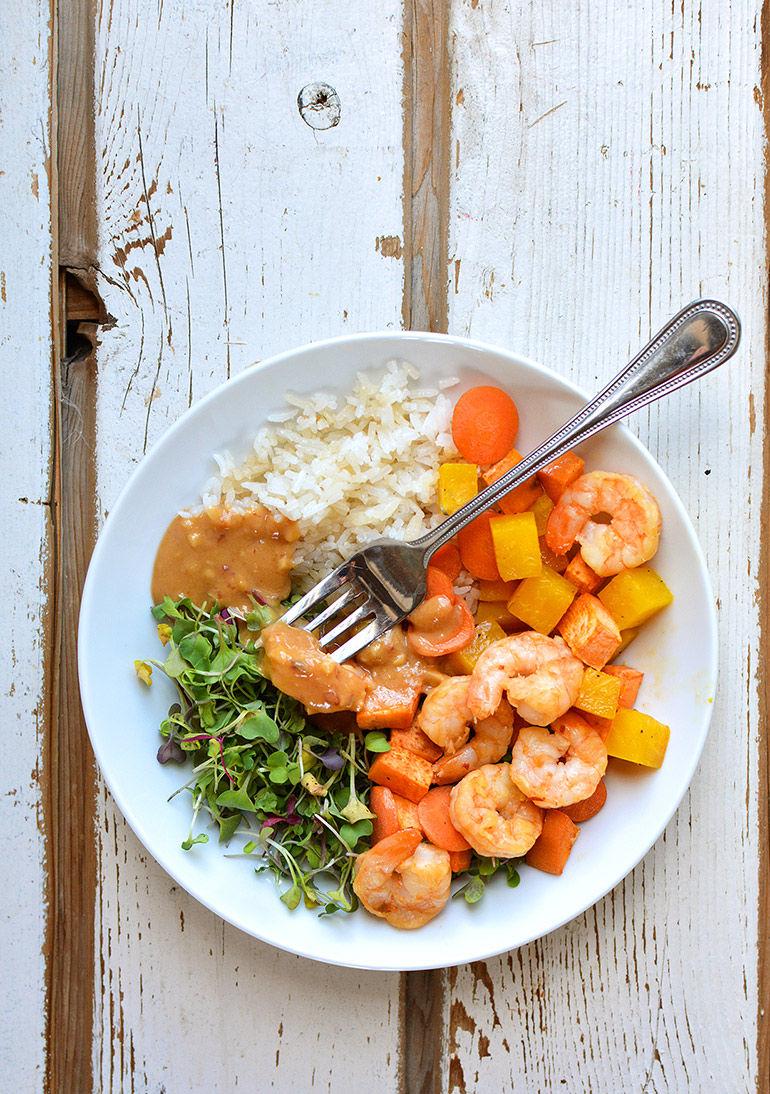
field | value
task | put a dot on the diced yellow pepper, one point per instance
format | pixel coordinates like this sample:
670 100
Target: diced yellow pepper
542 509
541 601
458 483
497 611
599 693
462 663
637 737
626 638
634 596
496 590
516 546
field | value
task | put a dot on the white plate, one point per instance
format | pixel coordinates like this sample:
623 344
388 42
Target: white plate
676 651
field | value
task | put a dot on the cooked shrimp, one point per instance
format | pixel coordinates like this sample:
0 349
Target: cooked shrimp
540 675
403 880
629 539
561 765
490 741
493 814
445 715
298 666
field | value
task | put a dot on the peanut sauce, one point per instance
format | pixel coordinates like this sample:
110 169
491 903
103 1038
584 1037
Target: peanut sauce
227 556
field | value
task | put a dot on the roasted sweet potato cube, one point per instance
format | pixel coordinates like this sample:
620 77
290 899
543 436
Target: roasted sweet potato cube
388 708
560 474
630 682
522 496
582 576
590 631
402 772
415 740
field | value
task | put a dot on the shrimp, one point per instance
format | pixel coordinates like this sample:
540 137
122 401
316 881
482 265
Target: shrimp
445 715
540 675
491 740
559 766
403 880
629 539
493 814
298 666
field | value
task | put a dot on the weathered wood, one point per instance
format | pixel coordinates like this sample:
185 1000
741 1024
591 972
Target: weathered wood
230 229
27 314
591 198
75 192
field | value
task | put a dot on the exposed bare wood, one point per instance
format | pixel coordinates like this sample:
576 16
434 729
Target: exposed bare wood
69 761
426 231
75 133
426 181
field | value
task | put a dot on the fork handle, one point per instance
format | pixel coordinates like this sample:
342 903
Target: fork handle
700 338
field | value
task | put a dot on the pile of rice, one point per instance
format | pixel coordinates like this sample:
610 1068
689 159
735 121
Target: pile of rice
348 469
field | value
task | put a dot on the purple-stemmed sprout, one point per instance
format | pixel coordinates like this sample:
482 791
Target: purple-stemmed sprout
332 760
171 750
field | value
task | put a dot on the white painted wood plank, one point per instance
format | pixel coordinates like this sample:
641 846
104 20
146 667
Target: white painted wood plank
229 230
25 477
592 197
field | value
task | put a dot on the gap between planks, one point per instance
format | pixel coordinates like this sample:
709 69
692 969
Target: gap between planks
69 773
426 234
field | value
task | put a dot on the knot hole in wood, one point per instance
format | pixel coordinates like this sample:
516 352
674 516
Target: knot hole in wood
319 106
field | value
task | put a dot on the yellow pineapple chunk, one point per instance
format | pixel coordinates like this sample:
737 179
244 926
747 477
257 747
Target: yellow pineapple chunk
634 596
516 545
541 601
463 661
637 737
599 693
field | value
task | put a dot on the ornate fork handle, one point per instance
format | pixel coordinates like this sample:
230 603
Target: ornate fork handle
700 338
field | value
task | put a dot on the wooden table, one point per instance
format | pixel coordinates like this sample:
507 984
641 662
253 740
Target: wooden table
556 178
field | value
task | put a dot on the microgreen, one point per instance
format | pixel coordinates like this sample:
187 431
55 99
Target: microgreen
260 768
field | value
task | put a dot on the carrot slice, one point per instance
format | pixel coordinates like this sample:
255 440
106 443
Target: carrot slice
436 823
485 422
382 803
476 548
552 847
439 583
589 807
459 861
447 558
429 645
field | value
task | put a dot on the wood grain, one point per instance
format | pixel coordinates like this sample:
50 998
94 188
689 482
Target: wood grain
588 203
230 229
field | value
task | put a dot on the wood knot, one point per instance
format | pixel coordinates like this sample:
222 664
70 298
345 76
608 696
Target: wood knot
319 106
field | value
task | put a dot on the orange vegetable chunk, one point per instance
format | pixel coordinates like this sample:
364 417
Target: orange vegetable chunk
582 576
447 558
392 813
589 807
630 682
433 812
415 740
523 495
476 548
552 847
485 423
459 861
590 631
387 708
402 772
557 476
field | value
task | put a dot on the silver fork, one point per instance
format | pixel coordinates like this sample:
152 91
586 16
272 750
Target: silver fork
382 583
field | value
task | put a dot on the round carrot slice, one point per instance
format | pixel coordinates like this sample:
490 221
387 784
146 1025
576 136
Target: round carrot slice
433 811
485 423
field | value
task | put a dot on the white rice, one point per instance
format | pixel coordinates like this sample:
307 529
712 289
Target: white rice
348 468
